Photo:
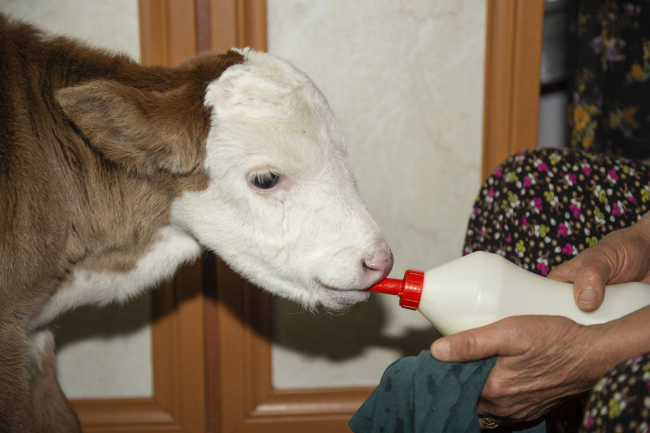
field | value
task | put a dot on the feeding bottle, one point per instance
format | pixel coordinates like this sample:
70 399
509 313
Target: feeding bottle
481 288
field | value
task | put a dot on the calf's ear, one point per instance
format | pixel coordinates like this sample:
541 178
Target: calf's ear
143 130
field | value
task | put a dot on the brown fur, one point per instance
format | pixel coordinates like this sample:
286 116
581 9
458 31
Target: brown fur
74 192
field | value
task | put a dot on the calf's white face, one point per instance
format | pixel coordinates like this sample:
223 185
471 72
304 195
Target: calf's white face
282 206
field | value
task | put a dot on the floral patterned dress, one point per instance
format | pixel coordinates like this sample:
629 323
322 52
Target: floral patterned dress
541 208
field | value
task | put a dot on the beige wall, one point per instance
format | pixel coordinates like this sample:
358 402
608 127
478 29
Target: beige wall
111 24
102 352
405 78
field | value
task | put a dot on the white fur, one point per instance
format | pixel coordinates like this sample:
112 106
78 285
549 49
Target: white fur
39 342
173 248
308 238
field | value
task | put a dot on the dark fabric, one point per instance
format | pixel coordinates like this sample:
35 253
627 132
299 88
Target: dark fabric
608 65
620 401
542 207
423 395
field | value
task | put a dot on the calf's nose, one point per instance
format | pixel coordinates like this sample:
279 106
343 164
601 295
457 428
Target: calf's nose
376 269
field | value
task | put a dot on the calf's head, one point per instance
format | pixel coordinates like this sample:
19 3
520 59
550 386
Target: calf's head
281 206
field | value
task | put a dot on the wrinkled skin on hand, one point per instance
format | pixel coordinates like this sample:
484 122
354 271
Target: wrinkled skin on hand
544 360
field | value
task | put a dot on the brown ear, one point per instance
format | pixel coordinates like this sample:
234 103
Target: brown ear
143 130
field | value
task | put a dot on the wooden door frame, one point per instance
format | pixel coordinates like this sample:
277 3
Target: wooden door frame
241 397
513 60
170 32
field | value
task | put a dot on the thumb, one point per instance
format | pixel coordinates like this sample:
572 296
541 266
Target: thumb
589 287
474 344
566 271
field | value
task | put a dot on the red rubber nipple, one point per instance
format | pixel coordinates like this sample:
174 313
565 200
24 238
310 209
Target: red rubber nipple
409 289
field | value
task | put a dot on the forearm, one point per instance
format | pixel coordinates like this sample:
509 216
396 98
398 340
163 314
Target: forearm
620 339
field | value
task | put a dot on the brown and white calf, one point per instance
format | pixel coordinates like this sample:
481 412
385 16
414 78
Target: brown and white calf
113 174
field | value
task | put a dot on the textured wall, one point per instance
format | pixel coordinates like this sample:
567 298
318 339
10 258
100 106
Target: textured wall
101 352
111 24
405 78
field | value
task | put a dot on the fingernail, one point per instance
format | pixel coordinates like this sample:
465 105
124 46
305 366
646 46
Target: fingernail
441 350
588 296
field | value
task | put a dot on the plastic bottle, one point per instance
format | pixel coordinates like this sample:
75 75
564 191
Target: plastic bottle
482 288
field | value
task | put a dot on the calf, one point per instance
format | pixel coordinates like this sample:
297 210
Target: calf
113 174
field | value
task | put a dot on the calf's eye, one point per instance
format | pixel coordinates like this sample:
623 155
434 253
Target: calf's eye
264 179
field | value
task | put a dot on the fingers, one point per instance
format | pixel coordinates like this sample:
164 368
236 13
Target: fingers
464 346
589 286
589 272
475 344
595 269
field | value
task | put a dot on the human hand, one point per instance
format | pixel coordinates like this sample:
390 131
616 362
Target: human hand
543 360
620 257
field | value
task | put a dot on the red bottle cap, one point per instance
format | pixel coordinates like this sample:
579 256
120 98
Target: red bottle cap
409 289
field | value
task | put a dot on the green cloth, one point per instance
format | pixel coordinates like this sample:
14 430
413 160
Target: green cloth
423 395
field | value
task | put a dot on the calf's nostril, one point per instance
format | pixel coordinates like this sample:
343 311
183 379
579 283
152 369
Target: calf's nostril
374 265
377 268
